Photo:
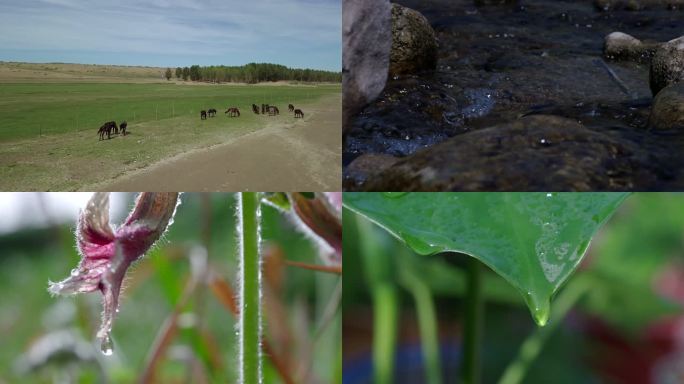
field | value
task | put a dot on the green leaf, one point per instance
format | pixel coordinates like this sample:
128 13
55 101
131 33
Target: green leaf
533 240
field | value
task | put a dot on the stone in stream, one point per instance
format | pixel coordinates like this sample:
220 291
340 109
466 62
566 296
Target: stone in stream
365 167
668 108
414 46
508 157
667 66
621 46
366 41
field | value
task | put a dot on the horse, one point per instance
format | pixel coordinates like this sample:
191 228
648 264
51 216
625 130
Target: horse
123 127
298 113
203 115
290 108
211 112
107 128
273 110
264 108
255 109
233 112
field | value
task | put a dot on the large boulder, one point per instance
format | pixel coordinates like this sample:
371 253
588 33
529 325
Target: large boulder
667 66
366 45
365 167
414 46
532 153
668 108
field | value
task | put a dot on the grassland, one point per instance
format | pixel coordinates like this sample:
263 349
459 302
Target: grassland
48 131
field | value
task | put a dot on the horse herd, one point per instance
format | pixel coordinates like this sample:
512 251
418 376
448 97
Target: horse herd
271 110
110 126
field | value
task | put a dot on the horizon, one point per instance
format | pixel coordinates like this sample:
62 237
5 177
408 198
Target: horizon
302 34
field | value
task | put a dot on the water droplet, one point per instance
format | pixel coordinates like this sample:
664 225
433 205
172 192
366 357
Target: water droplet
549 195
75 272
107 346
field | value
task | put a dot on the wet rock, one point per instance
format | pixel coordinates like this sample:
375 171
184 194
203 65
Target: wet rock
637 5
667 66
414 46
668 108
367 41
495 2
621 46
365 167
505 157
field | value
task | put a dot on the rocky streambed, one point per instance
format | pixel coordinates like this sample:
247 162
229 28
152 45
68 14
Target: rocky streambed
523 97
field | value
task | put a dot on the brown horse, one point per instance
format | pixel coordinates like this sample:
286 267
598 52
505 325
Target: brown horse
211 112
107 128
233 112
255 109
264 108
290 108
298 113
273 110
123 127
203 115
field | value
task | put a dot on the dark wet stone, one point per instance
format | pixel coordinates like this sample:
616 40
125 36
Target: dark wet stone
365 167
532 153
637 5
366 41
668 108
621 46
667 66
414 47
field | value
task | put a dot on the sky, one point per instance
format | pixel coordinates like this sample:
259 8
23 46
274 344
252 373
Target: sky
173 33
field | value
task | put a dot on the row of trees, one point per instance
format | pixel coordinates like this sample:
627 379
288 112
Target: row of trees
252 73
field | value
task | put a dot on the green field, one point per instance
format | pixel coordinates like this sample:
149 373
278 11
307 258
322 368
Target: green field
33 110
48 131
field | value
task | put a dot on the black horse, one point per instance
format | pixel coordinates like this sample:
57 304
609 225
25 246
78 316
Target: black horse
290 108
255 109
107 129
211 112
264 108
123 127
203 115
273 110
299 113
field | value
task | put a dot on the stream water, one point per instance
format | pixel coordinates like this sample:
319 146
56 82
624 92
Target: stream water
499 63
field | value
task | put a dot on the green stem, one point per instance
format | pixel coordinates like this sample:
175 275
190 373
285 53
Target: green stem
250 289
531 347
472 330
386 310
427 322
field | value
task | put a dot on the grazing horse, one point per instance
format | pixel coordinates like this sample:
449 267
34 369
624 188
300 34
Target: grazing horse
273 110
299 113
107 128
123 127
203 115
290 108
264 108
255 109
211 112
233 112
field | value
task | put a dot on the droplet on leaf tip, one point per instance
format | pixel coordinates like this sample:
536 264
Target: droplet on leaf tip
107 346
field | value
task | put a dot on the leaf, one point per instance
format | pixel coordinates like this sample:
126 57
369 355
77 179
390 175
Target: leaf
533 240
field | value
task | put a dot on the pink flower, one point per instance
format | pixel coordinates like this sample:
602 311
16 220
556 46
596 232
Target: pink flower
107 253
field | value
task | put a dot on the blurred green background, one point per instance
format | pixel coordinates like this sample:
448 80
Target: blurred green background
627 328
46 339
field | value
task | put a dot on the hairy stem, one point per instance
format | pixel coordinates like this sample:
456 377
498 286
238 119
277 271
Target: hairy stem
249 331
532 346
472 332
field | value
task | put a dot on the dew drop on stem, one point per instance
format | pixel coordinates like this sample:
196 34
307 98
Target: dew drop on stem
107 346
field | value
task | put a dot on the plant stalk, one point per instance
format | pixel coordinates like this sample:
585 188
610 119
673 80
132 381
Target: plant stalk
249 328
386 312
472 330
532 346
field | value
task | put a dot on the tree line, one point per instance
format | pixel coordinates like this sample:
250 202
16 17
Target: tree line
252 73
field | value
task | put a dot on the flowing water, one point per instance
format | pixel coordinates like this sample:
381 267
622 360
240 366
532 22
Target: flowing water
498 63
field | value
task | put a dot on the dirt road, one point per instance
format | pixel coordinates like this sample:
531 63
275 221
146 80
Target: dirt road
301 155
